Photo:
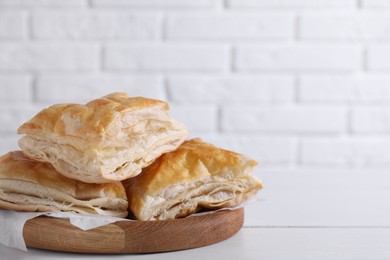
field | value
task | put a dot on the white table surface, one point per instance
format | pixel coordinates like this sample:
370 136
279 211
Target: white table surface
260 243
303 214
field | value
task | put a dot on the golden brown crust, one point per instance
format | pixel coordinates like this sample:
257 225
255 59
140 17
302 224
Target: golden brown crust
28 185
196 175
93 119
108 139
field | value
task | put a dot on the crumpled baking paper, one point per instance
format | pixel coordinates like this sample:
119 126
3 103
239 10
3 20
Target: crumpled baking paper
12 222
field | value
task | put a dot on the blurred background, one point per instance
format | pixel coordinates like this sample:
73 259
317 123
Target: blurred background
302 86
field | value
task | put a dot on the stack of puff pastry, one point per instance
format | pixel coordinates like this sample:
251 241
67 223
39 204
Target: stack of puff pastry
120 154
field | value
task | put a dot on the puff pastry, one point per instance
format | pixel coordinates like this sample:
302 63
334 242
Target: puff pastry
28 185
196 176
108 139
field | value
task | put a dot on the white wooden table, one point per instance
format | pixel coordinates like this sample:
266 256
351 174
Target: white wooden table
261 243
303 214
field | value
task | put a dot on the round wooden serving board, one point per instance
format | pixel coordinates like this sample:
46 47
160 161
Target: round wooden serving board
133 236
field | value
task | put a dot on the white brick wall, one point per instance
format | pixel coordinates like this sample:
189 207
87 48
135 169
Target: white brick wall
298 58
42 57
231 89
8 143
166 57
317 4
81 88
12 25
198 118
378 57
274 72
94 25
156 3
274 151
299 85
348 153
12 116
284 120
340 26
238 26
42 3
371 120
375 3
367 89
15 88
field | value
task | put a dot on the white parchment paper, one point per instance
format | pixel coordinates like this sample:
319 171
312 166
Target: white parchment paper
12 223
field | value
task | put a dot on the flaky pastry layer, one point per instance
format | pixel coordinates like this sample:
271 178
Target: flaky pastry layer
194 177
28 185
108 139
